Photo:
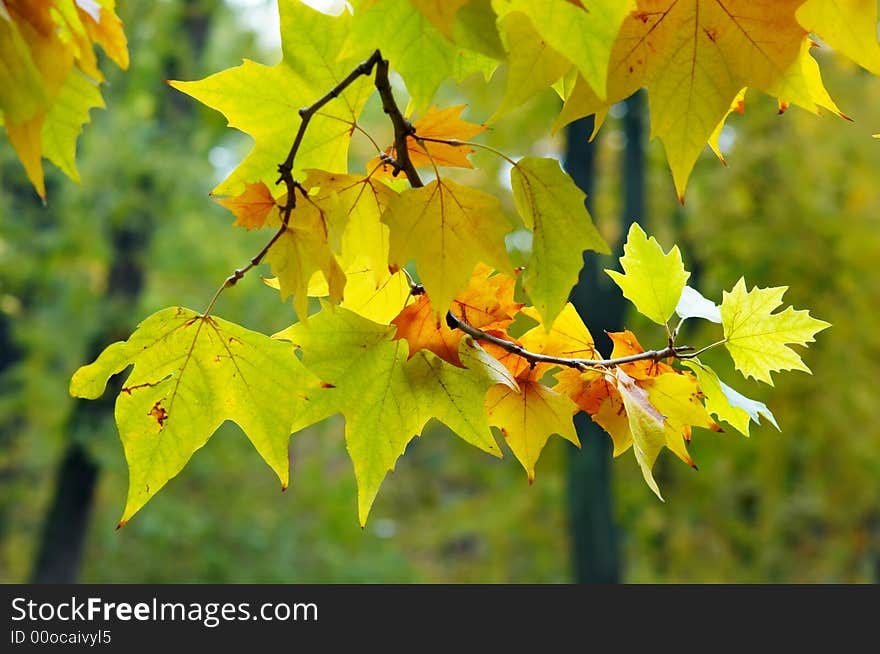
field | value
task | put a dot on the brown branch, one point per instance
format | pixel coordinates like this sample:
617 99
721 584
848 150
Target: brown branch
402 129
454 322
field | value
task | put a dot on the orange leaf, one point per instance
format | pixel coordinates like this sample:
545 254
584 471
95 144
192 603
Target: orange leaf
626 344
419 325
439 124
487 303
251 207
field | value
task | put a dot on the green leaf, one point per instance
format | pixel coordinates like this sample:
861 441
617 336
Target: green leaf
758 339
552 206
263 101
532 65
386 400
446 229
191 374
653 281
726 403
584 36
414 47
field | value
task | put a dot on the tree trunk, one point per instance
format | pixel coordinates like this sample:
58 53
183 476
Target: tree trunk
594 534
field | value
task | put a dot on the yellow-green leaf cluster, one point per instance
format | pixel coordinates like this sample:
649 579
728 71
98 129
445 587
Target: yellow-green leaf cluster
49 76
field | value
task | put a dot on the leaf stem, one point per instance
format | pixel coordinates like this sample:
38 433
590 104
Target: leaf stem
456 143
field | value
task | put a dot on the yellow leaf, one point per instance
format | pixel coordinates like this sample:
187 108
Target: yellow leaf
529 417
303 249
447 229
646 426
757 339
849 26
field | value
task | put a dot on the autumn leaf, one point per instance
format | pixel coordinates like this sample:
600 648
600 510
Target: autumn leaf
552 206
50 77
445 124
263 101
303 249
532 65
447 229
528 417
726 403
363 200
758 339
678 399
386 399
652 280
695 57
487 303
645 424
192 373
416 48
252 207
584 37
441 13
849 26
422 328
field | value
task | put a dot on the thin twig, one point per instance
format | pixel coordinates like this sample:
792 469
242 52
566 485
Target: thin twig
402 129
454 322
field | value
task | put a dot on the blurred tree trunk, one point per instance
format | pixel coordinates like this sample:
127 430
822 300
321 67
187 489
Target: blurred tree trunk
59 553
594 535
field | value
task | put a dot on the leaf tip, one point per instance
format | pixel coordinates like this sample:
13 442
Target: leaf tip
120 524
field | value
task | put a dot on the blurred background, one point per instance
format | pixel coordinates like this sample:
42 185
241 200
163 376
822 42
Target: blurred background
798 205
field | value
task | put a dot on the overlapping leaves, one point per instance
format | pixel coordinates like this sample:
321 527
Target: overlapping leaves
421 315
49 76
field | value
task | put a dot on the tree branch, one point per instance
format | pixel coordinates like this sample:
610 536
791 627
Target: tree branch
454 322
402 129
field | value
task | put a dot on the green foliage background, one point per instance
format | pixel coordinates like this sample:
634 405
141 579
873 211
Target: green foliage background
798 205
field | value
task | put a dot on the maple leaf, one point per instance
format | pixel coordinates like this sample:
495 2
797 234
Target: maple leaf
386 399
646 426
678 399
566 337
363 200
415 47
585 37
653 280
303 249
252 207
552 206
672 393
422 328
532 65
446 229
487 303
49 78
757 339
528 417
436 124
726 403
848 26
191 374
263 101
694 57
441 13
